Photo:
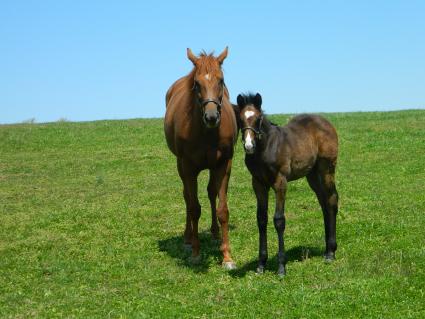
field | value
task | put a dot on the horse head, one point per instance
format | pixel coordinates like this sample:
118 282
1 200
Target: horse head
208 85
250 120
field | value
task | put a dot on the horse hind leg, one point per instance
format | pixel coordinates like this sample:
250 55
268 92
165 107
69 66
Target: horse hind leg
187 235
188 227
212 196
322 181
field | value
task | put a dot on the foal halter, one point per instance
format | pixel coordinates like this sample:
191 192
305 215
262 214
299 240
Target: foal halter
258 132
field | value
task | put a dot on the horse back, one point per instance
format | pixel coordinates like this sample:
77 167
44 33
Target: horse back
316 130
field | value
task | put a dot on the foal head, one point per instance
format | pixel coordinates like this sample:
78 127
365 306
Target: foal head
208 85
250 119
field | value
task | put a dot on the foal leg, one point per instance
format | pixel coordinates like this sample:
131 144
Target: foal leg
221 177
279 187
262 194
212 195
193 208
324 181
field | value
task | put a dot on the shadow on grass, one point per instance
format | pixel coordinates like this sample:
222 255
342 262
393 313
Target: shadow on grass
209 251
299 253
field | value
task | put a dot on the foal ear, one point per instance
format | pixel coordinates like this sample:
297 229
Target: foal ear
191 56
222 55
258 101
241 101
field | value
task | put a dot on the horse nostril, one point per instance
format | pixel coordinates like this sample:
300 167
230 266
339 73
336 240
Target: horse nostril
211 117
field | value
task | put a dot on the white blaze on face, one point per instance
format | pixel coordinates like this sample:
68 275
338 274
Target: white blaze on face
208 76
249 147
248 114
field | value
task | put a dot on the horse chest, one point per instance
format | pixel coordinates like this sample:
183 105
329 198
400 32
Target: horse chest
262 171
207 156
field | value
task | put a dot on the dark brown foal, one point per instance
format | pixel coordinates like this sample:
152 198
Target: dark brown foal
306 146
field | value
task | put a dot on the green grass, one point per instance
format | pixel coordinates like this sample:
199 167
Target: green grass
92 215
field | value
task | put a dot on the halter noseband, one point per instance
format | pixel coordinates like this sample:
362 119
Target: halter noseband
258 132
205 102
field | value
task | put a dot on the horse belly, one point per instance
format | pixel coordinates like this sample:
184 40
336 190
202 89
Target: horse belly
301 167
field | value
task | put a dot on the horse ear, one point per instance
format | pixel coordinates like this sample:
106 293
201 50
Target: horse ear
191 56
258 101
241 101
222 55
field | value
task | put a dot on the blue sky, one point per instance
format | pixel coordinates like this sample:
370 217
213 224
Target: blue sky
90 60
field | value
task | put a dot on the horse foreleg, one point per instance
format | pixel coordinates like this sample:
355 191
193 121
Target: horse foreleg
222 181
262 195
193 209
279 187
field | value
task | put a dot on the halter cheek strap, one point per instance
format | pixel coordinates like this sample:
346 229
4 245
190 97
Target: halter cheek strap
206 101
258 133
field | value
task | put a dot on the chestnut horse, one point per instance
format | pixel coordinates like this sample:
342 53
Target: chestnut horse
306 146
201 131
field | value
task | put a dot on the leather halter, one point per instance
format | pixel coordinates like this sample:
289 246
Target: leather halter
206 101
258 133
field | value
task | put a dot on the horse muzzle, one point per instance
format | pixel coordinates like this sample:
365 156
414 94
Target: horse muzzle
249 149
249 143
211 119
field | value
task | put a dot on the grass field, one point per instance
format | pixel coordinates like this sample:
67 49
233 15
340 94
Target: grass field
92 215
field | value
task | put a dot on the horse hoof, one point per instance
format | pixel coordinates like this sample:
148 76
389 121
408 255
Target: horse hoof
195 260
260 270
187 247
229 265
329 257
281 271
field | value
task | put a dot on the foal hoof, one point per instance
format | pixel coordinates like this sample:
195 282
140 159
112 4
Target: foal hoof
260 270
187 247
195 260
329 257
281 271
229 265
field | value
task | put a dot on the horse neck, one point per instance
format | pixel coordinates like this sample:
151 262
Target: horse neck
266 129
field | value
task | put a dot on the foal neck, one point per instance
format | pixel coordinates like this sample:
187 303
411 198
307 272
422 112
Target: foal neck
266 128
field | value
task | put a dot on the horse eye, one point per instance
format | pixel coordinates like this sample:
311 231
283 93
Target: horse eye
196 85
